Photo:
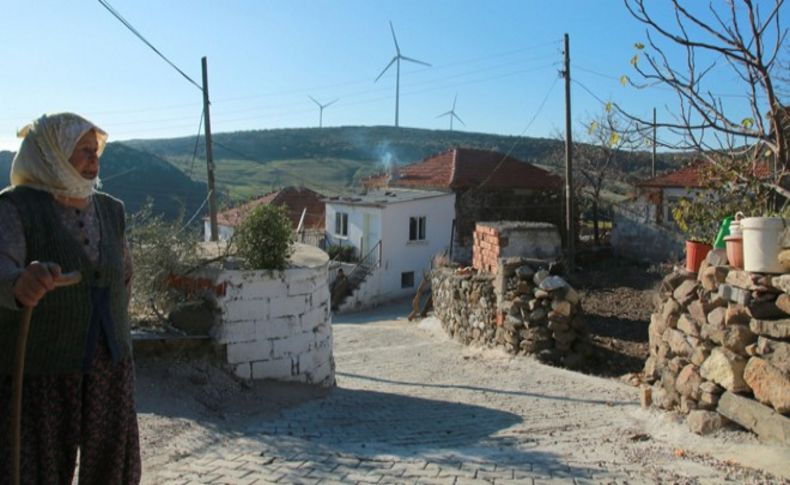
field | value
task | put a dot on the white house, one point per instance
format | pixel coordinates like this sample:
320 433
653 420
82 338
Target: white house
399 230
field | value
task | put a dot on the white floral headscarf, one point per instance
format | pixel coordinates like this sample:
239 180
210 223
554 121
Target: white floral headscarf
42 161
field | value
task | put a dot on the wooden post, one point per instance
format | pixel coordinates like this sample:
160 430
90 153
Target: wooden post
570 225
212 198
653 158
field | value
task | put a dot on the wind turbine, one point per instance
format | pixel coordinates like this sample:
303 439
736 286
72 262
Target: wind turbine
321 109
396 60
452 114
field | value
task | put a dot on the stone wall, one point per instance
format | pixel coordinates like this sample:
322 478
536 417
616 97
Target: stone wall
720 348
277 324
636 234
523 309
504 239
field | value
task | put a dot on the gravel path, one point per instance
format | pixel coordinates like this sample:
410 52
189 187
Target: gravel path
412 406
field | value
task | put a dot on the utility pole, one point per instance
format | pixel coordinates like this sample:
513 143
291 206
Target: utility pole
212 199
397 91
653 159
570 225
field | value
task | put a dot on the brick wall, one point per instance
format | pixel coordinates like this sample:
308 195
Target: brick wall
493 241
486 247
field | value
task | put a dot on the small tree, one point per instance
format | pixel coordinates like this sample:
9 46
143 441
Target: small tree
264 238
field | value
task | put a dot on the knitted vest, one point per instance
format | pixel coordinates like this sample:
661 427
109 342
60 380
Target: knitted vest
59 327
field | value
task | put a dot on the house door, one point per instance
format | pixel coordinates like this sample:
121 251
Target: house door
370 232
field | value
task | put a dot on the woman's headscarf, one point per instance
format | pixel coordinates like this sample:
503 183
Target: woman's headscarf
42 161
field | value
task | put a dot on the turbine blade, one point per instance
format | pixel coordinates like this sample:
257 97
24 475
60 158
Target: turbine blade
395 39
314 100
445 114
415 60
385 69
331 102
454 100
459 119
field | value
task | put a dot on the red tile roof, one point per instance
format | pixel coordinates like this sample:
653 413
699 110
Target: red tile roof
460 168
692 177
294 199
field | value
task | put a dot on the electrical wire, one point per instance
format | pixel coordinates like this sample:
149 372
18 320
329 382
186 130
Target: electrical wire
197 141
117 15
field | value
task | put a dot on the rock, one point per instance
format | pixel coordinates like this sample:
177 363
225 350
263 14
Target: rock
523 288
525 272
781 282
513 323
687 404
704 422
674 279
699 355
676 364
783 303
669 313
686 292
687 325
713 276
736 315
702 267
552 283
194 317
717 257
708 400
770 386
558 326
542 294
770 426
663 351
784 259
725 368
771 328
740 279
677 342
765 309
737 337
572 296
751 350
688 382
698 311
734 294
540 276
558 317
550 356
577 323
538 315
716 317
564 337
645 396
562 307
711 387
650 370
777 353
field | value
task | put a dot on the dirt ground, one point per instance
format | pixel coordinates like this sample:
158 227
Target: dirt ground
617 299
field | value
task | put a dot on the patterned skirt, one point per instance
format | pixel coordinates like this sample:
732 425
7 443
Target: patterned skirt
92 412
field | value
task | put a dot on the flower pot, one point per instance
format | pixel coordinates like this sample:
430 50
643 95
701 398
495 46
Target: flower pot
695 254
761 244
734 251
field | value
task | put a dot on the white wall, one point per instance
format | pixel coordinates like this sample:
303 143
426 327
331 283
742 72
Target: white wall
224 233
356 217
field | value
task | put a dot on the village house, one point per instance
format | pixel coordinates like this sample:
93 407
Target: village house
643 227
395 234
488 186
295 200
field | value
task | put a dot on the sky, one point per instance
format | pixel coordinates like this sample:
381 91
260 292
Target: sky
501 58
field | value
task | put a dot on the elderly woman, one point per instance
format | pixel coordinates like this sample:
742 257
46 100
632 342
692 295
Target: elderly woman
79 378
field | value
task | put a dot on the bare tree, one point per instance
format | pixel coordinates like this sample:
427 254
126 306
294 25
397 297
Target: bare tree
745 38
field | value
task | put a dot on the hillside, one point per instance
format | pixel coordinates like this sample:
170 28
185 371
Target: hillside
133 176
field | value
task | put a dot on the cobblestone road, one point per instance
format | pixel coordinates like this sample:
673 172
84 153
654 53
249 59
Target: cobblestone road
412 406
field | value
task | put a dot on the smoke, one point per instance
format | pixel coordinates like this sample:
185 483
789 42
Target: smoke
386 156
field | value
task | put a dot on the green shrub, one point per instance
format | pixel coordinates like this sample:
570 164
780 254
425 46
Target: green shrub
342 253
264 238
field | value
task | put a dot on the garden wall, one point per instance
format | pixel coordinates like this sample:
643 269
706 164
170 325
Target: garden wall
522 309
720 349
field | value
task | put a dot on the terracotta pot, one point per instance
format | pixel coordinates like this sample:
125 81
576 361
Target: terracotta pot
695 254
734 251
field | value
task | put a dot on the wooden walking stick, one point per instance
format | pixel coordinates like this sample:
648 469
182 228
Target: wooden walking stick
67 279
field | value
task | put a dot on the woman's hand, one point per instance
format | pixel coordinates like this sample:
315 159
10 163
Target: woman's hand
37 279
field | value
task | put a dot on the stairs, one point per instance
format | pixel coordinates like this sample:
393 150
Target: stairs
341 290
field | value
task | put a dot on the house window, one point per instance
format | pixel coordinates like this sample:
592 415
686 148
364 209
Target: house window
341 224
417 228
407 279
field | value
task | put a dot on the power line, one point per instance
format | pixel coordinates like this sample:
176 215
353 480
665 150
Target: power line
129 26
197 141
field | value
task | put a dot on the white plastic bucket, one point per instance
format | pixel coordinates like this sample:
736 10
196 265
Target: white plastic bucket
761 244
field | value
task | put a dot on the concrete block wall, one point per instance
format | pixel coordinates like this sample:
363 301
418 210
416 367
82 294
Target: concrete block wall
504 239
277 324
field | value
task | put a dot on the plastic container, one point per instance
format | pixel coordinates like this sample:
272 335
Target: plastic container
734 251
735 225
761 244
695 254
724 231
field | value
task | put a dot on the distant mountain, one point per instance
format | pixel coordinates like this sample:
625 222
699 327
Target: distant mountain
133 176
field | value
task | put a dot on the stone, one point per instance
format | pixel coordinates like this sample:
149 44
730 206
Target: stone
708 400
688 382
564 337
525 272
513 323
751 350
770 426
716 317
736 315
686 292
577 323
712 276
711 387
704 265
777 353
725 367
194 317
650 370
699 355
783 303
563 307
538 315
645 396
734 294
781 282
540 275
674 279
558 317
558 326
717 257
523 288
771 328
687 325
698 311
663 351
765 309
687 404
677 342
669 313
542 294
784 259
770 385
552 283
740 279
705 422
737 338
572 296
